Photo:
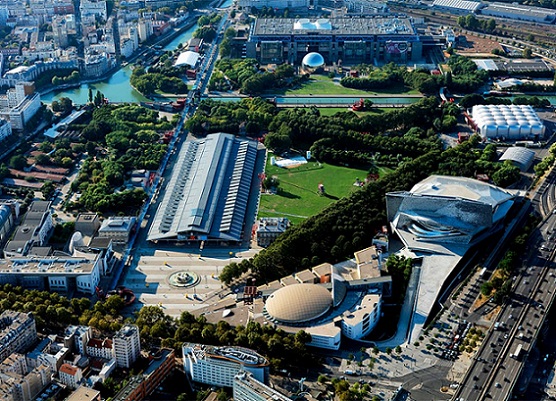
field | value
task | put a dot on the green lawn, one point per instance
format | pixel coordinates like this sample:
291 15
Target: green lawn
323 85
298 196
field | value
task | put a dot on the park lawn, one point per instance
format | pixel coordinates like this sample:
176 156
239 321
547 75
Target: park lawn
298 196
323 85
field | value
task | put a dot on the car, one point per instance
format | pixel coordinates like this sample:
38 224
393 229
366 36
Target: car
497 385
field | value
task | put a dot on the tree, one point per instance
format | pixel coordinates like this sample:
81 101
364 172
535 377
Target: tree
48 189
18 162
90 95
527 53
398 349
486 288
389 350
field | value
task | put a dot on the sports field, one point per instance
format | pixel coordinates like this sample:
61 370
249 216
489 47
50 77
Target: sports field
298 196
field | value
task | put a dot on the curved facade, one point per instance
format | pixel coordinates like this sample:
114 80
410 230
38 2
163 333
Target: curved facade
298 303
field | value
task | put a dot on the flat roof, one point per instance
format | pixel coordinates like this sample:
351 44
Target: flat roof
334 26
538 12
83 394
47 265
458 4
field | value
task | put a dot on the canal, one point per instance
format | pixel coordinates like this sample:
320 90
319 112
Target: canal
117 87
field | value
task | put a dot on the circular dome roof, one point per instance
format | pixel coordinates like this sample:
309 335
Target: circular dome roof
313 60
298 303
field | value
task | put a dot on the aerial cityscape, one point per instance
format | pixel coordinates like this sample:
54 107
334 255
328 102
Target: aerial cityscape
261 200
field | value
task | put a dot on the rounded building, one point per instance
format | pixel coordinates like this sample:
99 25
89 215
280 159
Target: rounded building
298 303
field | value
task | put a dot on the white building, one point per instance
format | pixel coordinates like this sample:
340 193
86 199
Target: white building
24 111
118 229
127 346
77 338
247 388
100 348
520 12
509 122
95 8
145 29
34 230
17 332
70 375
218 366
362 320
5 129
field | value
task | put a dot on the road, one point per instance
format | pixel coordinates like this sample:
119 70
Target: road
148 211
495 370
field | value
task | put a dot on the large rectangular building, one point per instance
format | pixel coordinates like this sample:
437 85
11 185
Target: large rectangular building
350 39
209 194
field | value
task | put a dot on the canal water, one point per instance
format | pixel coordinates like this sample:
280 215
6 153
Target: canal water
117 87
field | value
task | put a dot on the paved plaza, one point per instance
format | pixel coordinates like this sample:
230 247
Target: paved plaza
152 277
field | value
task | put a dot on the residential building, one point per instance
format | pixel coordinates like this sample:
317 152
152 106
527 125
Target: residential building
118 229
6 223
84 394
145 29
17 332
100 348
5 129
76 338
270 228
217 366
26 386
95 8
127 346
362 319
247 388
70 375
161 364
20 115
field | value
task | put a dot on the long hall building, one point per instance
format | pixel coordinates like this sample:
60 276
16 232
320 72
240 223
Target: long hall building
352 40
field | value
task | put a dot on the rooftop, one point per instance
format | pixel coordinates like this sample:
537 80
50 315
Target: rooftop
84 394
244 356
298 303
334 26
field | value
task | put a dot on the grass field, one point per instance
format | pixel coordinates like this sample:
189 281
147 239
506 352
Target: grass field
323 85
298 196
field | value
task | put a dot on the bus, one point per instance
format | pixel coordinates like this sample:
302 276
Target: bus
517 352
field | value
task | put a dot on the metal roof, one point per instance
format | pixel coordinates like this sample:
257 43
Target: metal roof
520 155
208 191
458 4
298 303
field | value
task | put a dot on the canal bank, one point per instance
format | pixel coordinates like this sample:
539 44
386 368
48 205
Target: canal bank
115 87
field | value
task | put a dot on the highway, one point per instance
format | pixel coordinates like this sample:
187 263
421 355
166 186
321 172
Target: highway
495 370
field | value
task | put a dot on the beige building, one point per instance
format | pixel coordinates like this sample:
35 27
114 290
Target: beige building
127 345
17 332
70 375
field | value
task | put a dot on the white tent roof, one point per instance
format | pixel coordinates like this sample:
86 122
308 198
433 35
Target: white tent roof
187 58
